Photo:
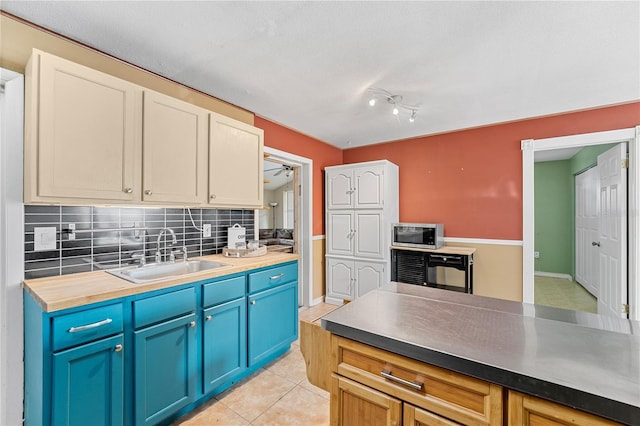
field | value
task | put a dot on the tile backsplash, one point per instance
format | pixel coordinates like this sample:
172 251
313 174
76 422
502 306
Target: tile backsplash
112 234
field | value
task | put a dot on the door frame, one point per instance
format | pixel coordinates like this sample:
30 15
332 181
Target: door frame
529 146
305 219
11 248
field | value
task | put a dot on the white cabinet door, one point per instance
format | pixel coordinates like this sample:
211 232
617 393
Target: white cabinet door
340 233
175 151
340 279
340 189
82 133
369 276
368 235
235 163
369 187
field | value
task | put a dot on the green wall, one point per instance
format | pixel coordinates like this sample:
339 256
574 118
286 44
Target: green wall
553 186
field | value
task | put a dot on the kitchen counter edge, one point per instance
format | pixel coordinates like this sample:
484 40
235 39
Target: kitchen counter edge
596 404
71 291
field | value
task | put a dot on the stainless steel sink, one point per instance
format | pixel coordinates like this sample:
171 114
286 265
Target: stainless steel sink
158 271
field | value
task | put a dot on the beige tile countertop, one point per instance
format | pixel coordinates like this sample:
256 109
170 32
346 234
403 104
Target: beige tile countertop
70 291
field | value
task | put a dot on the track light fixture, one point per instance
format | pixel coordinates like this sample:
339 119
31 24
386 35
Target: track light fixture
395 100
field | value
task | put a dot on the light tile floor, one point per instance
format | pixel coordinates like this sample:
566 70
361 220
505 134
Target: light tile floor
561 293
278 394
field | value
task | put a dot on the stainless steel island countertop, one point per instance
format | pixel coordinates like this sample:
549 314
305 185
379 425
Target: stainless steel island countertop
582 360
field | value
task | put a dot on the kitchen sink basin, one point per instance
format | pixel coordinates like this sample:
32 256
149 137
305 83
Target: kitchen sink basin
158 271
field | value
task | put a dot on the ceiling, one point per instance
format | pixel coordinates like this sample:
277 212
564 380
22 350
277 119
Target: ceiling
309 65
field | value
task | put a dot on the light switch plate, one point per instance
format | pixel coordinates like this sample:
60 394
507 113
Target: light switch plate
206 230
44 238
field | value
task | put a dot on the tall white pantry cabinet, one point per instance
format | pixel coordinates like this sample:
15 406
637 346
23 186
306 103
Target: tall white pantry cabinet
361 204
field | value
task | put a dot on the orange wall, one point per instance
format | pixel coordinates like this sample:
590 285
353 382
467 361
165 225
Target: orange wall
471 180
322 154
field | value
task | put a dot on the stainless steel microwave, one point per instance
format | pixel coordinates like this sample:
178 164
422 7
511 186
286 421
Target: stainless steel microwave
418 235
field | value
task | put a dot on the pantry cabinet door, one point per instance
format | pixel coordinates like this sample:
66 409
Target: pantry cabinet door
339 189
340 237
175 151
83 133
368 235
236 163
340 279
369 187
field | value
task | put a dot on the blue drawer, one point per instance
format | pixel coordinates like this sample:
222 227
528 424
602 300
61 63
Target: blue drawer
166 306
273 277
85 326
223 291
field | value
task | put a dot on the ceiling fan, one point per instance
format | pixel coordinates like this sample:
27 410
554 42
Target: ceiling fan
284 168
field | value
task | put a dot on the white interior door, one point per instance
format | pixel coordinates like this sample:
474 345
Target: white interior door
613 231
586 222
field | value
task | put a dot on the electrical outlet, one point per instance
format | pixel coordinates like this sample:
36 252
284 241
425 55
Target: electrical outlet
72 231
536 255
206 230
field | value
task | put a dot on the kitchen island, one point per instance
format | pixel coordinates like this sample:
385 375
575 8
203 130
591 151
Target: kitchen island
405 340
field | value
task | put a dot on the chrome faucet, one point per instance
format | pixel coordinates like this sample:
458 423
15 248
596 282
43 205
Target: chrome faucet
174 241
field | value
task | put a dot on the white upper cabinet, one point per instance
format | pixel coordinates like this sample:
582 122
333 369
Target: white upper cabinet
358 187
82 137
175 151
235 163
91 138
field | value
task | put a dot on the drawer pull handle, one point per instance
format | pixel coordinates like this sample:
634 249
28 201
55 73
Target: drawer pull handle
275 277
90 326
208 317
118 348
387 375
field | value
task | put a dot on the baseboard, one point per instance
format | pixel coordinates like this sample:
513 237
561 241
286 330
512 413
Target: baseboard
317 301
553 275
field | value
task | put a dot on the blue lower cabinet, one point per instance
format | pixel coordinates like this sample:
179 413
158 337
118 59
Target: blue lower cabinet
224 343
165 368
272 322
88 384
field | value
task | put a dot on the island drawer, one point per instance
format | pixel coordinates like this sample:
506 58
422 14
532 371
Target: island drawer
273 277
222 291
457 397
85 326
163 307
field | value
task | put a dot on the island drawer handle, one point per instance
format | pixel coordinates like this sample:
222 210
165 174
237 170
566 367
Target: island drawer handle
387 375
275 277
90 326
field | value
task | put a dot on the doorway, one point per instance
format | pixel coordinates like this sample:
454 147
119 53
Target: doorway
301 214
529 147
572 238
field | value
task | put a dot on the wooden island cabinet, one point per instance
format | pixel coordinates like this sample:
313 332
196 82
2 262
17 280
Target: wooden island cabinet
376 376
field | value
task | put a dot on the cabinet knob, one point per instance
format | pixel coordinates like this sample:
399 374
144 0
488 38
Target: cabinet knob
213 196
192 324
208 317
118 348
128 190
148 192
253 302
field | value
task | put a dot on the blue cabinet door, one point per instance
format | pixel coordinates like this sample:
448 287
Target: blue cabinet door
88 384
224 343
273 322
165 369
